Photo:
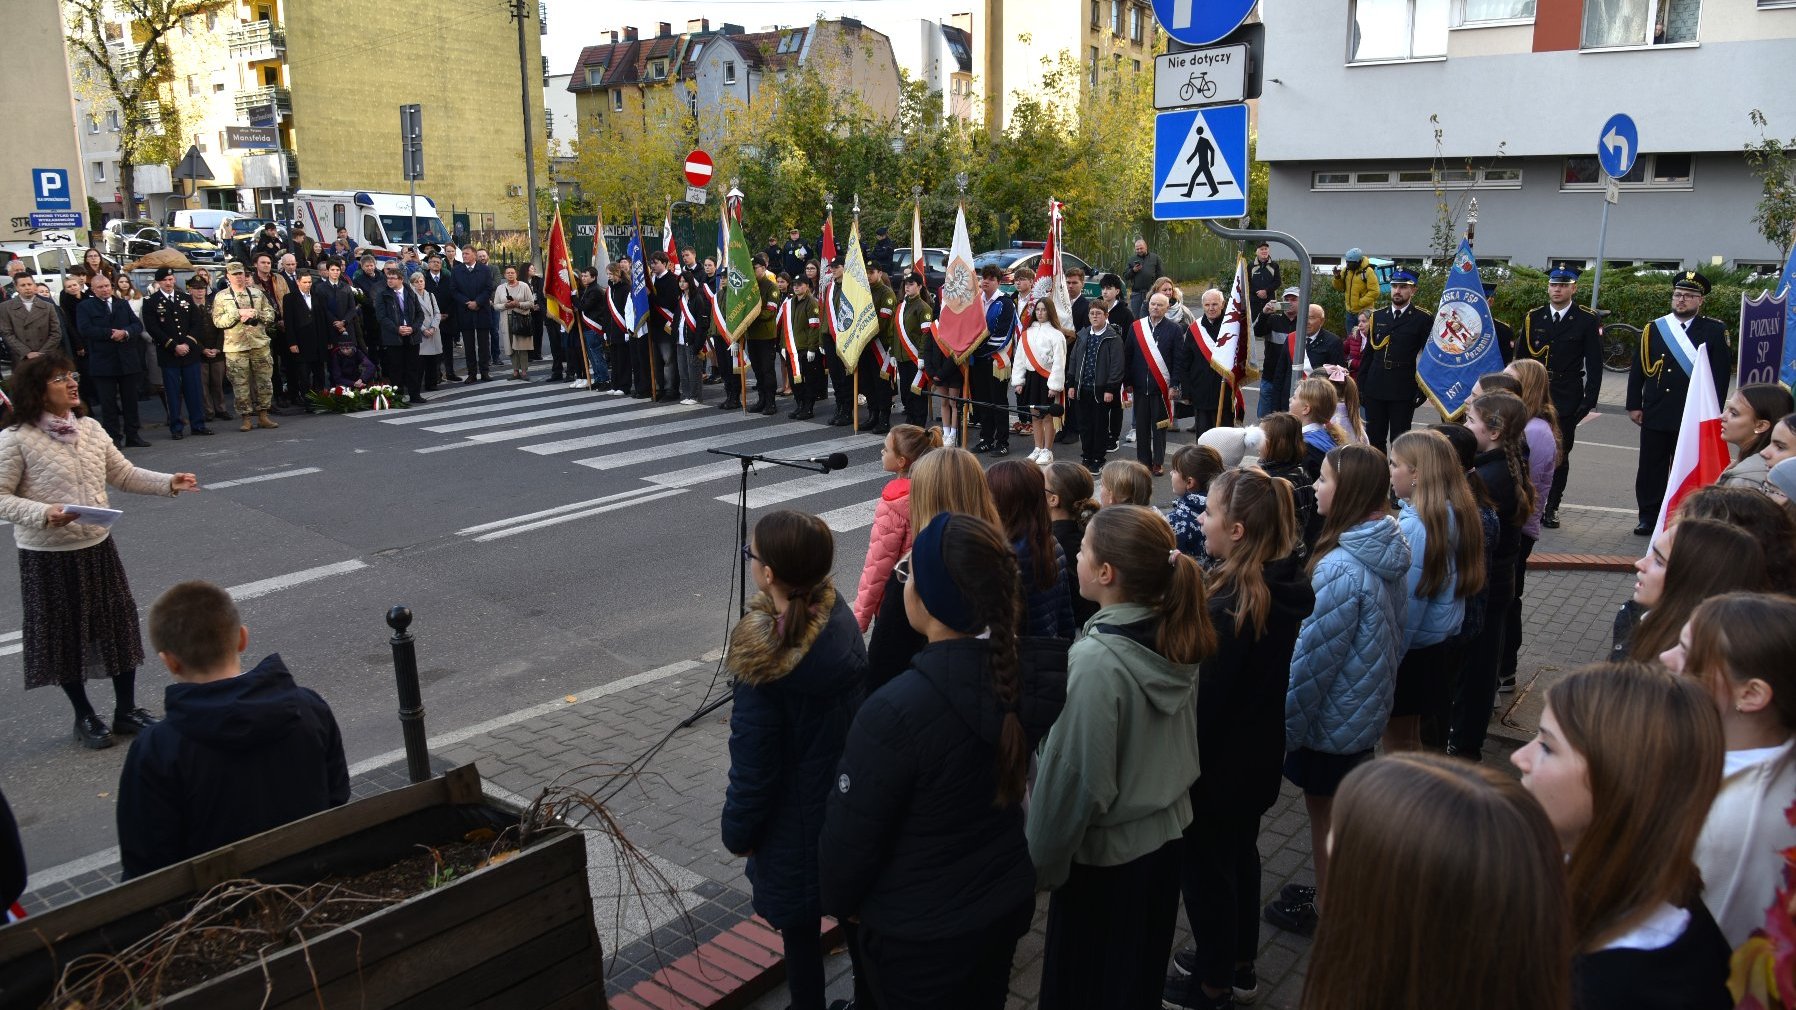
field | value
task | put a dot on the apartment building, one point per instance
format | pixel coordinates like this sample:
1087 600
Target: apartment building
1519 90
1017 41
940 54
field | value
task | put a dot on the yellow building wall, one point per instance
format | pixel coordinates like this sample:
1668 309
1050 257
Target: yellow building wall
645 106
31 52
458 59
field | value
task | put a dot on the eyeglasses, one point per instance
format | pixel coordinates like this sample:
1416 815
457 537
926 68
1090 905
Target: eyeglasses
66 377
902 569
1686 294
748 554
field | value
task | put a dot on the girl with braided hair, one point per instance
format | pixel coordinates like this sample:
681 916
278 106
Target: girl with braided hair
1498 422
800 669
923 835
1111 799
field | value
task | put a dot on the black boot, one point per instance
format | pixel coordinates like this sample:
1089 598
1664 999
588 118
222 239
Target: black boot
842 418
882 422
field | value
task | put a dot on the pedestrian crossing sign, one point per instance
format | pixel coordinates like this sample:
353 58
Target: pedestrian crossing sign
1200 163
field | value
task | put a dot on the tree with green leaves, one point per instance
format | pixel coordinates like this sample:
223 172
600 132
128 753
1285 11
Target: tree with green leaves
120 49
1769 159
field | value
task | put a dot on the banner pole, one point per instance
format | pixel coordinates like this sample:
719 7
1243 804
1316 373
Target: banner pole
854 404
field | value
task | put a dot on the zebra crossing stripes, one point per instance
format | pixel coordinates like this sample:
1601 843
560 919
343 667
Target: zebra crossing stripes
850 517
591 407
729 467
711 419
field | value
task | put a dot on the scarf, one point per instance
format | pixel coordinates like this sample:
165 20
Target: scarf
61 428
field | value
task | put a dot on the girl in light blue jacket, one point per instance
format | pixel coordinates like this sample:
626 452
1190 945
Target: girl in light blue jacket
1439 518
1345 664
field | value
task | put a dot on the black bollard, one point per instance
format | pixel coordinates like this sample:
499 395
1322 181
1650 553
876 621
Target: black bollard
411 699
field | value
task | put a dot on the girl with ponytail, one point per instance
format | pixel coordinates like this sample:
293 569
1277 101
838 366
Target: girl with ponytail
1498 423
923 836
1258 596
1070 507
800 668
1112 787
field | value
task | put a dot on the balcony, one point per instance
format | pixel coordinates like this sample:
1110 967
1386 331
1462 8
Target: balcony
280 98
258 40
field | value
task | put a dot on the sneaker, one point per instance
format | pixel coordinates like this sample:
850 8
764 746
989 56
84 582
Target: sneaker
1113 446
1130 438
948 441
688 402
577 384
1183 992
1506 685
1292 916
1244 986
1298 893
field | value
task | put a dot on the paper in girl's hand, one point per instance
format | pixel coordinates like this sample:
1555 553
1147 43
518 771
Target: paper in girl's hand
92 515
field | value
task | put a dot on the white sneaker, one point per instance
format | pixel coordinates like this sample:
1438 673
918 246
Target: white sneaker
687 402
577 384
615 392
948 438
1130 437
1045 457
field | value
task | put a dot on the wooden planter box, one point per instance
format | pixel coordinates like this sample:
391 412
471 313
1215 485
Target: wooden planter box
518 934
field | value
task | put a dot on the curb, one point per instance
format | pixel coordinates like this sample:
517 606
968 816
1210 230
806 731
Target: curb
734 969
1580 563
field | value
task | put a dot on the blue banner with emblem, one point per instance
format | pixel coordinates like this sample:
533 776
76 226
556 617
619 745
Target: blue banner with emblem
1463 343
1786 289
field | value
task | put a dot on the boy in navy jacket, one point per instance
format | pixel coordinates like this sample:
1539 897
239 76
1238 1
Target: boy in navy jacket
237 752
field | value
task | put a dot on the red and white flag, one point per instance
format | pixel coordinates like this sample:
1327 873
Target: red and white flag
1701 451
1227 351
960 325
667 242
1051 271
916 247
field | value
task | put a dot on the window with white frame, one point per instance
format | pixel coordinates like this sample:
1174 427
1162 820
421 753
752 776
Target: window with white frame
1484 12
1381 31
113 122
1135 23
1116 17
1094 64
1611 24
658 70
595 76
1097 13
93 124
617 99
1418 177
729 71
1650 171
99 171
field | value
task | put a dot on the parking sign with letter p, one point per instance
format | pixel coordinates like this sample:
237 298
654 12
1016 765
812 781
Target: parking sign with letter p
50 189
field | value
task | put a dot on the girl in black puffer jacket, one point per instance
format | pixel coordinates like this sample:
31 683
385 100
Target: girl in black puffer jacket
800 670
923 837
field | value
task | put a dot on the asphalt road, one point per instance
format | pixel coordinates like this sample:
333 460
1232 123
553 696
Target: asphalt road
547 541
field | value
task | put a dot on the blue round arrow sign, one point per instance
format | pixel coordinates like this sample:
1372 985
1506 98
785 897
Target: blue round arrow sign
1201 22
1618 146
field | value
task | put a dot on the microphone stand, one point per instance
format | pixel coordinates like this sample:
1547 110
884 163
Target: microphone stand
1037 410
748 460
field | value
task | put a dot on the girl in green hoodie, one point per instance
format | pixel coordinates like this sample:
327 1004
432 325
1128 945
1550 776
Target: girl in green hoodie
1111 791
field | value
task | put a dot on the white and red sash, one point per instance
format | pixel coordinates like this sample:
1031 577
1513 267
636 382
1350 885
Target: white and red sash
791 337
716 309
687 318
618 317
888 365
1035 363
922 379
1150 353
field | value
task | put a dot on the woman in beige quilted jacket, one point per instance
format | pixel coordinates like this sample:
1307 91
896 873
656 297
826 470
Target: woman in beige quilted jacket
80 622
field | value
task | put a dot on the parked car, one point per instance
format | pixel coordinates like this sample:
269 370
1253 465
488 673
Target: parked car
935 265
191 244
237 235
203 220
46 262
1023 258
117 235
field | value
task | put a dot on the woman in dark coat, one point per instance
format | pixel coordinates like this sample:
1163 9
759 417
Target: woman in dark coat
800 671
923 840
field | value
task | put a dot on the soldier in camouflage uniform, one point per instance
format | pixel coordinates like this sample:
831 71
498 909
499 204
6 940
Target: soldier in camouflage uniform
243 312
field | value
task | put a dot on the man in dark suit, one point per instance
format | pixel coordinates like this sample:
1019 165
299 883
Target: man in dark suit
664 311
1211 396
1387 370
1659 382
1321 346
436 281
1144 370
110 331
471 292
168 319
304 344
1568 339
334 308
400 319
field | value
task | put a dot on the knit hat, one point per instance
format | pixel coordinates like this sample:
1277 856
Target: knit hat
1783 477
1229 442
935 586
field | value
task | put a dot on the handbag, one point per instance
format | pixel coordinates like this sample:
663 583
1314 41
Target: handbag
519 325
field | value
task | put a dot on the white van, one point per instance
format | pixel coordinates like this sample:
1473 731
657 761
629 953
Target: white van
204 221
380 223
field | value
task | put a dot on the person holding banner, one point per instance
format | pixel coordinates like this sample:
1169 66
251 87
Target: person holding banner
983 384
801 334
878 367
1567 338
693 330
1152 343
921 361
1211 397
1659 380
1387 373
628 374
763 340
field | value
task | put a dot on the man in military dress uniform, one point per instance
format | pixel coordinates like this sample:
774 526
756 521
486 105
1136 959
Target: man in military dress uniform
1659 380
1387 372
1565 337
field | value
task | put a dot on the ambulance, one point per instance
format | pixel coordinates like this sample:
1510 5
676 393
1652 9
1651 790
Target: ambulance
380 223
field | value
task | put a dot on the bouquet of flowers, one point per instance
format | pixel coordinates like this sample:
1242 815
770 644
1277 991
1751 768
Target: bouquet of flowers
349 399
1764 967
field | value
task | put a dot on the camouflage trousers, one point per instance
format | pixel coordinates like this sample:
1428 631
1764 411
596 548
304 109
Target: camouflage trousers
252 379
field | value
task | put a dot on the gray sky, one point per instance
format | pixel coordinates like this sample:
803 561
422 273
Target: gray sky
574 24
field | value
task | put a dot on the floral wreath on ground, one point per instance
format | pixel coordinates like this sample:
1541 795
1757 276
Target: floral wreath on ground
349 399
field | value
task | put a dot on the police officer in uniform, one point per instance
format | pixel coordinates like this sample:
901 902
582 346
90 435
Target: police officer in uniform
1659 380
1387 371
1567 338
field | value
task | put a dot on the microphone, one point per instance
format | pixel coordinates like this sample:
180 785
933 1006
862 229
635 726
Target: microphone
833 461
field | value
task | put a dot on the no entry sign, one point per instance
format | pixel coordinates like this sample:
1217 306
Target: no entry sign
698 169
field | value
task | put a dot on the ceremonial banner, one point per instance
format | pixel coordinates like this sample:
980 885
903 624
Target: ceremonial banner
916 248
1227 351
1786 289
854 319
639 277
1053 270
738 293
1463 343
667 241
601 253
961 325
1763 337
558 286
1701 451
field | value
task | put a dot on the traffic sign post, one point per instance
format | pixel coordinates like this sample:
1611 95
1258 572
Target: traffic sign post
698 169
1201 22
411 156
56 219
1617 148
50 188
1215 76
1200 164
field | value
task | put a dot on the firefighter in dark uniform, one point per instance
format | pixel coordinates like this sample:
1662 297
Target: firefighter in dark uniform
1567 338
1659 380
874 384
1387 371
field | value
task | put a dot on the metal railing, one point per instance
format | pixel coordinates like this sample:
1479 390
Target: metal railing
258 37
280 98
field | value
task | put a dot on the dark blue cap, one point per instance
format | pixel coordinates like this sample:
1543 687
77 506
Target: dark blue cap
935 586
1403 275
1562 274
1490 290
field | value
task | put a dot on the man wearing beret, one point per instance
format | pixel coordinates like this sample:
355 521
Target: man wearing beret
1387 368
1565 337
1659 381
